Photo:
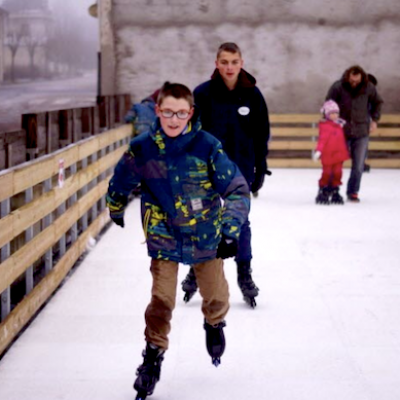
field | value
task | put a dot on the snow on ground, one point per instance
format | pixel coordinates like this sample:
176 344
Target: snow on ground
327 324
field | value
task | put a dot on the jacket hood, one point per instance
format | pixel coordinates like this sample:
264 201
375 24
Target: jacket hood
245 80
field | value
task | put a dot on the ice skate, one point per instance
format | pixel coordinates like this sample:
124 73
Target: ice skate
189 285
353 198
336 197
323 196
246 284
148 374
215 340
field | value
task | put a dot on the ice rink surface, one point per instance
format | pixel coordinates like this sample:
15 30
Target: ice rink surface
326 327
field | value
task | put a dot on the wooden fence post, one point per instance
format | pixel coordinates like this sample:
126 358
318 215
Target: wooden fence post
65 126
35 127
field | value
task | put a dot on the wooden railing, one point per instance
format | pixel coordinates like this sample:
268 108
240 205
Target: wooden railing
45 132
51 208
294 136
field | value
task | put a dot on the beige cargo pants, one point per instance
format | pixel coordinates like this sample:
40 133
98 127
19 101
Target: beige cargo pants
213 288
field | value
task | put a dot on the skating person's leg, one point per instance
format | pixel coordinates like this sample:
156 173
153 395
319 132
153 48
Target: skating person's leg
324 192
243 261
214 290
337 171
358 149
163 296
158 317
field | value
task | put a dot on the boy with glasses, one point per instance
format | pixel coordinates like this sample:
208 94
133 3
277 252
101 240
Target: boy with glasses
233 109
184 173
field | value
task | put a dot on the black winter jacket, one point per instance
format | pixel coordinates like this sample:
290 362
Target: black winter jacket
357 106
238 118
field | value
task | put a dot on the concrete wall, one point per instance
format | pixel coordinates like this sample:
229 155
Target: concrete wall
3 17
294 48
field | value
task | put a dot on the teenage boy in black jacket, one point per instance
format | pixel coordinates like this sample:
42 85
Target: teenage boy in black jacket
233 109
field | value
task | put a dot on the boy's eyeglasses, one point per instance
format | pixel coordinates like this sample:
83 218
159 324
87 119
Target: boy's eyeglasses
181 114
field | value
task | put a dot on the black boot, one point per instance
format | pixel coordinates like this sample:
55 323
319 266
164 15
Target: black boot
246 283
148 374
323 196
336 197
189 285
215 340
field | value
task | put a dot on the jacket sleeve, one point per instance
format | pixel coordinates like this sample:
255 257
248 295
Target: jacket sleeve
322 138
375 101
232 187
126 178
262 135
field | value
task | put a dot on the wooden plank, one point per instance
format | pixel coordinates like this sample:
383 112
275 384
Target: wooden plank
29 306
313 132
390 119
384 163
293 131
31 173
88 147
388 146
114 135
24 217
15 265
386 132
310 145
6 184
291 145
314 118
294 118
308 163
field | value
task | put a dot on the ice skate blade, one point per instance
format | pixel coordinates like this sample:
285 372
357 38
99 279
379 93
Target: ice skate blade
216 361
251 301
141 396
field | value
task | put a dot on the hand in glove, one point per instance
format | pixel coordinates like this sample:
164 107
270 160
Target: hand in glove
316 156
227 248
118 220
117 204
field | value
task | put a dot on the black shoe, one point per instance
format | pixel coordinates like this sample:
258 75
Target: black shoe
353 198
336 197
215 340
148 374
323 196
189 285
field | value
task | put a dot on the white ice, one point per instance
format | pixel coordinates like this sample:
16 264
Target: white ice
326 327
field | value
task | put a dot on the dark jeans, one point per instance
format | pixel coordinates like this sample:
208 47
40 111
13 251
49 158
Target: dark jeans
358 148
244 246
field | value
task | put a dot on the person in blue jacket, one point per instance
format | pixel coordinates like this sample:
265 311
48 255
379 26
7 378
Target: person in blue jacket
184 174
233 109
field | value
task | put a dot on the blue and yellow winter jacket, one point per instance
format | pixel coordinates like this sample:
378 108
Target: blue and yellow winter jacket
183 180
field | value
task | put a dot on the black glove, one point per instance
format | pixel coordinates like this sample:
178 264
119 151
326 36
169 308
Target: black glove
117 204
118 220
227 248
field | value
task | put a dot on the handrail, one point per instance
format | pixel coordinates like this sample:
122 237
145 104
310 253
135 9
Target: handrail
61 216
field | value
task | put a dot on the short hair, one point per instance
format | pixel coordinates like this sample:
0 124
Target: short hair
176 90
230 47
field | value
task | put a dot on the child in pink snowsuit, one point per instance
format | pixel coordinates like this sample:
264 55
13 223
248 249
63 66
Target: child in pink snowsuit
332 150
